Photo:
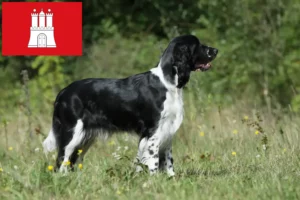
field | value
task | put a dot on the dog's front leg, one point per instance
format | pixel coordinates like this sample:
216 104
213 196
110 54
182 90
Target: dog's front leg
153 154
166 160
169 161
148 153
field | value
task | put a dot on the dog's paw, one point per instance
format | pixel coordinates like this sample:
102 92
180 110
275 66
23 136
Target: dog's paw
63 169
138 169
171 173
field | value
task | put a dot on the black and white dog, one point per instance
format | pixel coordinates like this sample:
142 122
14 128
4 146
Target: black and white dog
149 104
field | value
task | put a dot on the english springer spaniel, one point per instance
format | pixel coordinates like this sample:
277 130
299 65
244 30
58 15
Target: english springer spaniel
149 104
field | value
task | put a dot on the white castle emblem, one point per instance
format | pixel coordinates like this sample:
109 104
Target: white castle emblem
41 34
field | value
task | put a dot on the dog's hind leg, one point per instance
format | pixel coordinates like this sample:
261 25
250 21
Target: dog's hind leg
76 141
81 150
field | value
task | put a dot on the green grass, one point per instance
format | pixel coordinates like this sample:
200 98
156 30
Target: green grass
204 165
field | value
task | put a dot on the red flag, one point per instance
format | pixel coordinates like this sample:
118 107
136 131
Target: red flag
42 28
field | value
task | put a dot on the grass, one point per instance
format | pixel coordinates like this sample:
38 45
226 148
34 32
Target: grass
218 154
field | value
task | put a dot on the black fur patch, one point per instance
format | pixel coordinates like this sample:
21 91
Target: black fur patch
151 152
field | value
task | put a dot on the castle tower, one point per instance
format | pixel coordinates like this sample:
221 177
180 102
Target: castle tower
42 19
34 19
42 34
49 18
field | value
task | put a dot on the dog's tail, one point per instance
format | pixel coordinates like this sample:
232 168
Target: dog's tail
49 143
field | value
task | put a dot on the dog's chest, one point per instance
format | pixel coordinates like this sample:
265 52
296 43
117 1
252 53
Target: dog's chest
172 114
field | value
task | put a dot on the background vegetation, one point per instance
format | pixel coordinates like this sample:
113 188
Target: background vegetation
239 138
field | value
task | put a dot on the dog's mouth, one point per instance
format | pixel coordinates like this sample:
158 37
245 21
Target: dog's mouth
202 67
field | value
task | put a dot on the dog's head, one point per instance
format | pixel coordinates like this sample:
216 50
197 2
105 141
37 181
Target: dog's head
183 55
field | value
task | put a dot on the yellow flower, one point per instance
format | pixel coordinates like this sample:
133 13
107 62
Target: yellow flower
119 192
80 166
235 131
111 143
66 163
50 168
284 150
79 151
246 117
10 148
1 169
233 153
201 134
256 132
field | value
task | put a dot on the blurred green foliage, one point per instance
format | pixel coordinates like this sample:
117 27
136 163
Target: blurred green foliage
258 42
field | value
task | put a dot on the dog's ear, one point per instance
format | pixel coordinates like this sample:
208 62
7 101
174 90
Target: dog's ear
175 63
181 53
177 52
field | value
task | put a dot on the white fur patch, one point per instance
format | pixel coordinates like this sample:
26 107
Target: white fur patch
172 114
49 143
158 72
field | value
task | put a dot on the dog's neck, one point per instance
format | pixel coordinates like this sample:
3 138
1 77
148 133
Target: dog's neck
165 78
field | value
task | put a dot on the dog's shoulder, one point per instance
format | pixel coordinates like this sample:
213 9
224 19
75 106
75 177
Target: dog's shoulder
146 79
